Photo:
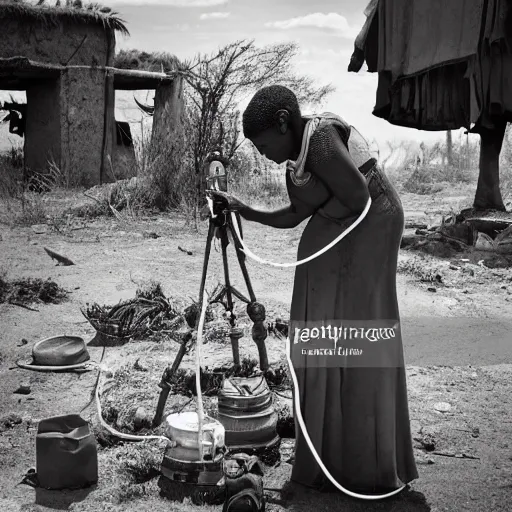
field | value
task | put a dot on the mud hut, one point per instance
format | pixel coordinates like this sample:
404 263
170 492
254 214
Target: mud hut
63 57
168 105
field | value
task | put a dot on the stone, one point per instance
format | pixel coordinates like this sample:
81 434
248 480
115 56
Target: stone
140 366
442 406
150 234
24 389
39 229
10 420
484 243
141 419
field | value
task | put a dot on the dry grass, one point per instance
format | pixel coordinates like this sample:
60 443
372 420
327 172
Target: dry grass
429 179
163 182
24 196
149 312
143 61
420 269
257 181
29 291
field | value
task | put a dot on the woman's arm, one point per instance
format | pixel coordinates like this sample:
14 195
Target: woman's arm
287 217
284 218
330 161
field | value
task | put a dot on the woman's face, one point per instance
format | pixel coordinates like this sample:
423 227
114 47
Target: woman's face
275 145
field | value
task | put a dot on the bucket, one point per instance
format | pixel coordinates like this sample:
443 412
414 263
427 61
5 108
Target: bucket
246 411
66 453
183 465
183 429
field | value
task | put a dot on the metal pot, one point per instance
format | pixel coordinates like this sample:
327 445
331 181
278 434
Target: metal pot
245 394
183 430
247 413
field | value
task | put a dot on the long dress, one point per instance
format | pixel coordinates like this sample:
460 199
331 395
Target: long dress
356 417
451 68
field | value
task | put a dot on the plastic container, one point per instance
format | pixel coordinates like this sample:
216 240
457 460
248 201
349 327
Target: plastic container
66 453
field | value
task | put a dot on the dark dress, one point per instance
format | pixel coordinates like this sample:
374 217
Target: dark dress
356 417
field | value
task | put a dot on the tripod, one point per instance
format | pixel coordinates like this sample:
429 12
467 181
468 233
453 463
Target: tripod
220 226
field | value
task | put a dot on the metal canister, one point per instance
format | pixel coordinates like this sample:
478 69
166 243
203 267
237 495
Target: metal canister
182 429
247 413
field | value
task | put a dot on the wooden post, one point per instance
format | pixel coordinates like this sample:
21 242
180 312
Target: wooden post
106 174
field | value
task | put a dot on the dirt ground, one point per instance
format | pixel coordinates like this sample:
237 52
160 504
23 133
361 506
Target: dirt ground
457 342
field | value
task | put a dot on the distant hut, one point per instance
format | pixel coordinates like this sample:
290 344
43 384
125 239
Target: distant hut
63 57
167 109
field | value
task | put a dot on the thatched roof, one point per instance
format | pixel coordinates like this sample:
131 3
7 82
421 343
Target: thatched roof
73 11
159 62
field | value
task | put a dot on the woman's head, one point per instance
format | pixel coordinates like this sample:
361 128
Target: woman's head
273 123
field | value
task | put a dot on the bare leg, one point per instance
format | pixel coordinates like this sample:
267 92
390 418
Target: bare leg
488 195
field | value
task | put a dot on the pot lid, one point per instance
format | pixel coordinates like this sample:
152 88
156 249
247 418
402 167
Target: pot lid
188 421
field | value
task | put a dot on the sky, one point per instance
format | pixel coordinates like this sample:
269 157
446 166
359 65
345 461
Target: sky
324 30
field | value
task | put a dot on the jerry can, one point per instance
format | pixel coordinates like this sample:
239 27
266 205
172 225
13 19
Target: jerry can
66 453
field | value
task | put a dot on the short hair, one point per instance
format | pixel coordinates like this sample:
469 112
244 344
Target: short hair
260 114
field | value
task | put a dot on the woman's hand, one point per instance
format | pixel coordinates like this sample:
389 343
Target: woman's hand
227 201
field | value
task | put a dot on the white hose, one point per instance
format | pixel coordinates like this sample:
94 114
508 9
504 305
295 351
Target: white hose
131 437
121 435
309 258
312 448
290 364
200 409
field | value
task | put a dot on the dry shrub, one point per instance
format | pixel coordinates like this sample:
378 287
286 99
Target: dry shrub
267 190
164 181
28 209
169 169
420 269
429 179
28 291
255 181
149 312
127 197
25 193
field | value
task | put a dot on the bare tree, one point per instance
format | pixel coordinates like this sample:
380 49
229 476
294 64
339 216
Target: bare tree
219 82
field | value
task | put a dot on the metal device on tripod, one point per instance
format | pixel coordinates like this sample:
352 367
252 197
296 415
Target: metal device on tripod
220 225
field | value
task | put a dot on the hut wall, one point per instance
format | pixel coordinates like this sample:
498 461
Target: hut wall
83 125
61 43
169 105
42 129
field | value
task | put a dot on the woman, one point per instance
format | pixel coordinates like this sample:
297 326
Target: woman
356 413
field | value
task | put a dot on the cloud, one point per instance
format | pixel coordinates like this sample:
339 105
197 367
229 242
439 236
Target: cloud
171 3
214 15
331 21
